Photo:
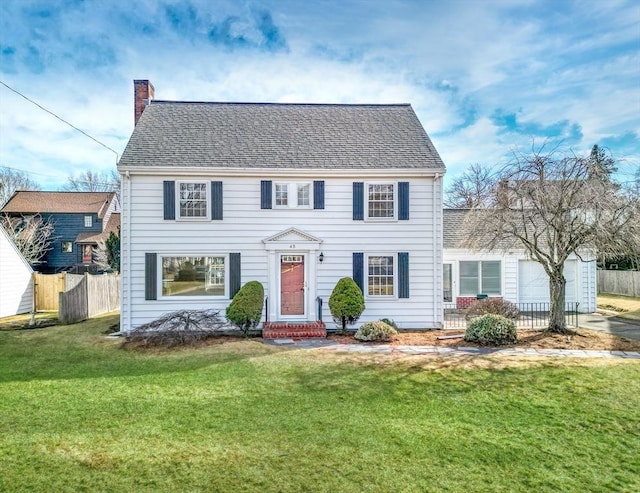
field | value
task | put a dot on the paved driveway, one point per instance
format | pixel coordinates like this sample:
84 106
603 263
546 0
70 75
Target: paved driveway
611 324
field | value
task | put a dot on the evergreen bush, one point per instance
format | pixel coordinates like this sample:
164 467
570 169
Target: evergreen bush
491 330
245 310
376 331
346 303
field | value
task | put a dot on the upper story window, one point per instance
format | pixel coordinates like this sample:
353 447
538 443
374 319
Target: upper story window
88 221
381 201
292 195
193 200
480 277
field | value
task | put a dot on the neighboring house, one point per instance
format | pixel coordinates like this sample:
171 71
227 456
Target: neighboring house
80 220
507 273
16 279
295 196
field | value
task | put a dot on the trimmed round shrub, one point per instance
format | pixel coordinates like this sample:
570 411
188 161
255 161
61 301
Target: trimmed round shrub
346 303
375 331
496 306
491 330
245 310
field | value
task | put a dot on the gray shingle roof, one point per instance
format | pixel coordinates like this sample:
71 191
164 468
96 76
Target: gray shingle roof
453 227
273 135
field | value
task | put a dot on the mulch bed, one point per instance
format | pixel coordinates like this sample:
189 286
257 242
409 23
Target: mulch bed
534 339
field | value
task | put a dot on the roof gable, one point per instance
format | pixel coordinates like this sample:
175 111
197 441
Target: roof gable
273 135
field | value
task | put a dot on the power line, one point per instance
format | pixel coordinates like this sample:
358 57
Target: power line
61 119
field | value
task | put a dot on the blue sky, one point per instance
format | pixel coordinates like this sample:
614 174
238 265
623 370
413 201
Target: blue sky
486 77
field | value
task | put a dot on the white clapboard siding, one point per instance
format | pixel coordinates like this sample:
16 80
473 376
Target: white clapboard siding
16 283
245 225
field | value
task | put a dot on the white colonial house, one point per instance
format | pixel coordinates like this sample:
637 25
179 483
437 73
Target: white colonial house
295 196
508 273
16 279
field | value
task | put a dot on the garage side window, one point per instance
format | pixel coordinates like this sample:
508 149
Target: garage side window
480 277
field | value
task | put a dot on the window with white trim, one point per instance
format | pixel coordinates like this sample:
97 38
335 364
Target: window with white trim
293 195
88 221
194 275
67 247
480 277
380 275
193 200
381 201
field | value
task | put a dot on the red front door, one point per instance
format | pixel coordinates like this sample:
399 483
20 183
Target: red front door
87 254
292 285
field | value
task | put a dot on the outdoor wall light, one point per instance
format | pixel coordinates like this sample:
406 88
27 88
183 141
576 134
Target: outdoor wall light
321 257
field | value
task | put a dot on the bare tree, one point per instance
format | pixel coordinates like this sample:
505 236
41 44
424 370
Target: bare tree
93 181
470 189
31 235
554 207
12 180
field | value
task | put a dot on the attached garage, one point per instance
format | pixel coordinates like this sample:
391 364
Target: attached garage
533 282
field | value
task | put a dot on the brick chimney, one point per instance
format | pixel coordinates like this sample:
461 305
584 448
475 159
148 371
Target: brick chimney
143 92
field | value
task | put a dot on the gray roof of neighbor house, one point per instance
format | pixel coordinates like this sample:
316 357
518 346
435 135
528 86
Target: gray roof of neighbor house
453 228
35 202
274 135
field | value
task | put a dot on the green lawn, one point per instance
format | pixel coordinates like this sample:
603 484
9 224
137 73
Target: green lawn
77 413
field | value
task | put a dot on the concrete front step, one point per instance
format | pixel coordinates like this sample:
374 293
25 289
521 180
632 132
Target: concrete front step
293 330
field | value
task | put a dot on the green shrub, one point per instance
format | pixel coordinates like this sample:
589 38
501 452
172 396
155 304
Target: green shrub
491 330
388 321
496 306
245 310
376 331
346 303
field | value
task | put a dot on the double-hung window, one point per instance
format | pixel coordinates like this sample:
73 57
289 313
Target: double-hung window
193 200
480 277
88 221
292 195
381 201
194 275
380 275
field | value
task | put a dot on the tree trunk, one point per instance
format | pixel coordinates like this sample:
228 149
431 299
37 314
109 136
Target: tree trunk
557 319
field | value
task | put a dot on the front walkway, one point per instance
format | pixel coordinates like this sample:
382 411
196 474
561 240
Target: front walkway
328 345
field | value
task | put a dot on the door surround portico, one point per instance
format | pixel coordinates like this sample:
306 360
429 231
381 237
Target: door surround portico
292 241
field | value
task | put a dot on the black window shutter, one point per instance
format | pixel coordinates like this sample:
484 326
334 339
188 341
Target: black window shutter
235 279
265 194
216 200
358 201
403 274
403 200
150 276
358 269
318 194
169 199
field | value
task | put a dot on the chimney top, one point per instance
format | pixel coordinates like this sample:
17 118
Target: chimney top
143 93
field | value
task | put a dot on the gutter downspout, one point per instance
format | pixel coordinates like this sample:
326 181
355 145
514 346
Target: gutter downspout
437 291
127 230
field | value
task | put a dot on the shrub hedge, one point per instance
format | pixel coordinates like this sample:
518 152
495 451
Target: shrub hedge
490 330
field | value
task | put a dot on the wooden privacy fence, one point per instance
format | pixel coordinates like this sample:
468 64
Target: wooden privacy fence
46 290
92 295
624 282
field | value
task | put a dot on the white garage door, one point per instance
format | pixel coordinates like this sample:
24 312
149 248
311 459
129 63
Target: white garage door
533 282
